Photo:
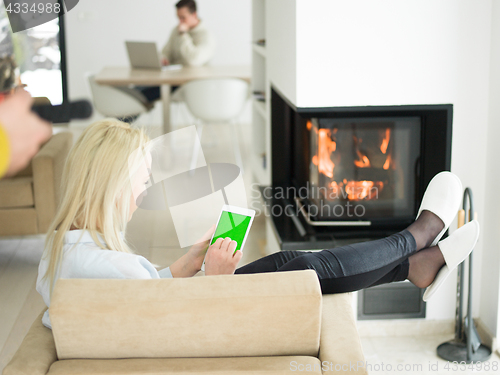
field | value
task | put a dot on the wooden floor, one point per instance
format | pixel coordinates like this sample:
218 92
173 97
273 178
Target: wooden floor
20 303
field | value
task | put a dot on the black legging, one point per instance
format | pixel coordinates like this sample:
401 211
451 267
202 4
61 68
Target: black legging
347 268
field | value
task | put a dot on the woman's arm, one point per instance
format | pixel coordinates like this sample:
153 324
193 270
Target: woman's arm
185 266
222 258
190 263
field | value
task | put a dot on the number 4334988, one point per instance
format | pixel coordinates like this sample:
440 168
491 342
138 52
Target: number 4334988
33 8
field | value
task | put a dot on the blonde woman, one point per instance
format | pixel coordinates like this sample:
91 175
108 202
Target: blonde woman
103 174
87 236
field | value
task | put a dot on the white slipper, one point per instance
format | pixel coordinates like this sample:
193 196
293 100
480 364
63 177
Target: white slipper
442 197
455 249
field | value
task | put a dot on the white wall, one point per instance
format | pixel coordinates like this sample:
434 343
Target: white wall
96 32
392 52
490 291
281 46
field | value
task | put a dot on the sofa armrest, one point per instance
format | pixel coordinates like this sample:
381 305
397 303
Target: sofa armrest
48 165
340 345
36 353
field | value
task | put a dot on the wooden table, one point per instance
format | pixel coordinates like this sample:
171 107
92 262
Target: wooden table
123 76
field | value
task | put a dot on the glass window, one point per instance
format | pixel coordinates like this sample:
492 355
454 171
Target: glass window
38 57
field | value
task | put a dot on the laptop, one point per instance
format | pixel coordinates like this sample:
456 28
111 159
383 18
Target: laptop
143 55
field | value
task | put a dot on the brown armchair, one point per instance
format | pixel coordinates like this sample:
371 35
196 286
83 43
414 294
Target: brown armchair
28 200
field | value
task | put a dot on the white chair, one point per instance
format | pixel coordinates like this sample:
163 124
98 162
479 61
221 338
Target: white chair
216 100
180 114
122 103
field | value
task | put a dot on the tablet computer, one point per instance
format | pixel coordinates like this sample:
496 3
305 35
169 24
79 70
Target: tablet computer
234 222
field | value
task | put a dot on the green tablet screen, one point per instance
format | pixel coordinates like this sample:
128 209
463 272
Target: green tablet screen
233 226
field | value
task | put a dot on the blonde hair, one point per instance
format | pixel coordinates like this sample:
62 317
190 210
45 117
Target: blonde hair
96 188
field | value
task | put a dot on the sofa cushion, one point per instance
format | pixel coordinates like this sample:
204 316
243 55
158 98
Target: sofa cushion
36 353
263 314
26 172
16 192
18 221
223 366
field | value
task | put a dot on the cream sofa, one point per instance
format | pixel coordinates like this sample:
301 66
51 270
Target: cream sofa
28 200
272 323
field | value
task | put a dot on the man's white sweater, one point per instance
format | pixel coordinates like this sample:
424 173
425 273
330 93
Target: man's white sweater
192 48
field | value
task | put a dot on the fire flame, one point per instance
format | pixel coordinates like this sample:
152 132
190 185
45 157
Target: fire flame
325 147
363 161
356 190
351 190
385 141
387 163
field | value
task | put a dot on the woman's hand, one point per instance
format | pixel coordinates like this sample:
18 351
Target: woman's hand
197 251
221 258
190 263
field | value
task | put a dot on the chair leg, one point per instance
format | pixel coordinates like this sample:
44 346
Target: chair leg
187 115
196 149
149 116
173 119
236 145
180 116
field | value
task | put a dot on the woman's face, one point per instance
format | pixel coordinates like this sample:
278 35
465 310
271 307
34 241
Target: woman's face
139 183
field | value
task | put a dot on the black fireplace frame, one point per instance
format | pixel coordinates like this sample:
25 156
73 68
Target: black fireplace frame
289 168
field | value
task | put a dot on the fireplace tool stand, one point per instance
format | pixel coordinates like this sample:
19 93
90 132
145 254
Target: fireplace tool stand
466 346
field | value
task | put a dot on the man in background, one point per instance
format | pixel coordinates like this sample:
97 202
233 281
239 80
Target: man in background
190 44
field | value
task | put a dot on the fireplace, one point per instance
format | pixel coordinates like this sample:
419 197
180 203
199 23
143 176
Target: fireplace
347 174
362 170
344 173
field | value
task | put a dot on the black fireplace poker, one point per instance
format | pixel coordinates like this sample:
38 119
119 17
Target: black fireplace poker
466 346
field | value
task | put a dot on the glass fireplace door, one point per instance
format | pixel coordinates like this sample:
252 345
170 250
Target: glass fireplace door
363 168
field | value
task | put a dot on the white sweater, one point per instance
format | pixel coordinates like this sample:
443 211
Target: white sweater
195 47
83 259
